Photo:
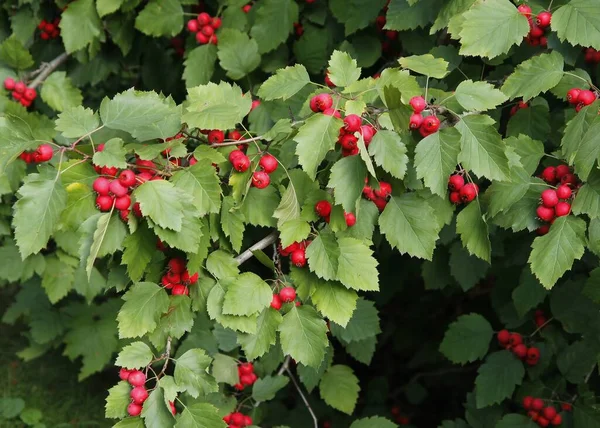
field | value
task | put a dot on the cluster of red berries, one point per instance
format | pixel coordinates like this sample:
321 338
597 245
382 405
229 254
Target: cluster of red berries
389 36
514 342
42 154
178 278
286 295
581 98
426 125
296 251
246 8
246 375
541 414
204 26
260 179
537 29
138 394
380 196
323 209
540 318
20 91
116 190
592 56
237 420
553 204
399 417
461 193
519 106
49 30
347 137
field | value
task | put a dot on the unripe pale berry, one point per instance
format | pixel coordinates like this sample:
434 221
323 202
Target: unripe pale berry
562 209
549 198
138 394
352 123
298 258
573 96
276 302
134 409
563 192
350 219
260 179
137 378
416 120
104 202
545 213
418 104
323 208
268 163
287 294
456 182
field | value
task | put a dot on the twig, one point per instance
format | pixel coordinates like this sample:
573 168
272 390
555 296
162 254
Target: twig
284 366
312 413
260 245
166 355
48 69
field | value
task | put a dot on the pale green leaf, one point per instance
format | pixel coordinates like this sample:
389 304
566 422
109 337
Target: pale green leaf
323 255
534 76
289 208
293 231
225 369
247 295
139 248
473 230
106 7
200 181
155 412
316 137
200 415
257 344
389 152
285 83
578 22
199 65
238 54
160 18
80 25
426 64
304 335
478 96
191 372
343 70
59 93
113 154
436 159
77 121
357 267
160 201
14 54
232 222
339 388
467 339
265 388
145 302
348 180
134 356
117 401
335 302
260 205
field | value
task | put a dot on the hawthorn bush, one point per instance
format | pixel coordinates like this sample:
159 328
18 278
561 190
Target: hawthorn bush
342 213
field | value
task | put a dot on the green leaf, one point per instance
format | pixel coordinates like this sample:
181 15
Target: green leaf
238 54
58 277
467 339
497 378
191 372
221 264
389 152
436 159
265 388
189 238
316 137
373 422
106 7
402 224
134 356
59 93
145 302
530 151
473 230
357 267
138 251
578 22
256 345
215 305
491 28
482 148
426 64
450 9
113 154
285 83
273 23
343 70
585 416
339 388
160 18
289 208
362 350
587 200
348 179
160 201
75 122
199 65
200 181
554 253
364 323
225 369
232 223
409 15
130 422
80 25
323 255
466 269
178 320
514 420
247 295
534 76
117 401
528 294
213 106
14 54
335 302
200 415
42 199
574 362
312 49
355 14
304 335
260 205
104 236
533 122
478 96
155 412
577 128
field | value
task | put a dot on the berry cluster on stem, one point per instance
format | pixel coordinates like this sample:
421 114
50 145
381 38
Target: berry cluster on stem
177 278
49 30
20 91
43 153
237 420
296 251
426 125
514 342
379 196
323 209
537 27
138 393
204 27
555 202
285 295
246 375
461 192
540 413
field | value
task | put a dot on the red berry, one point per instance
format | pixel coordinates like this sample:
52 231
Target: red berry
30 94
289 249
350 219
549 175
569 179
44 152
321 102
201 38
503 337
137 378
216 136
456 182
562 170
207 30
416 120
542 230
385 190
9 83
332 112
172 277
172 407
268 163
104 203
323 208
20 87
287 294
193 26
189 279
204 19
524 10
535 33
367 132
542 421
520 350
348 142
180 290
418 104
127 178
566 407
246 368
545 213
543 20
247 421
537 404
276 302
455 198
352 123
527 401
177 265
215 22
564 192
235 154
134 409
145 165
515 339
123 202
431 124
549 412
138 394
298 258
557 420
562 209
241 163
124 373
549 198
260 179
533 415
237 418
117 189
234 135
533 356
328 81
586 97
137 210
380 203
469 192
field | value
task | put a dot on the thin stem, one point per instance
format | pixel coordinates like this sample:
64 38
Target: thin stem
235 143
426 88
284 366
260 245
583 79
541 327
312 413
48 69
166 356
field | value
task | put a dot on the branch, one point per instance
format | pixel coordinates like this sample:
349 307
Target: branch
236 142
166 356
48 68
312 413
284 366
260 245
